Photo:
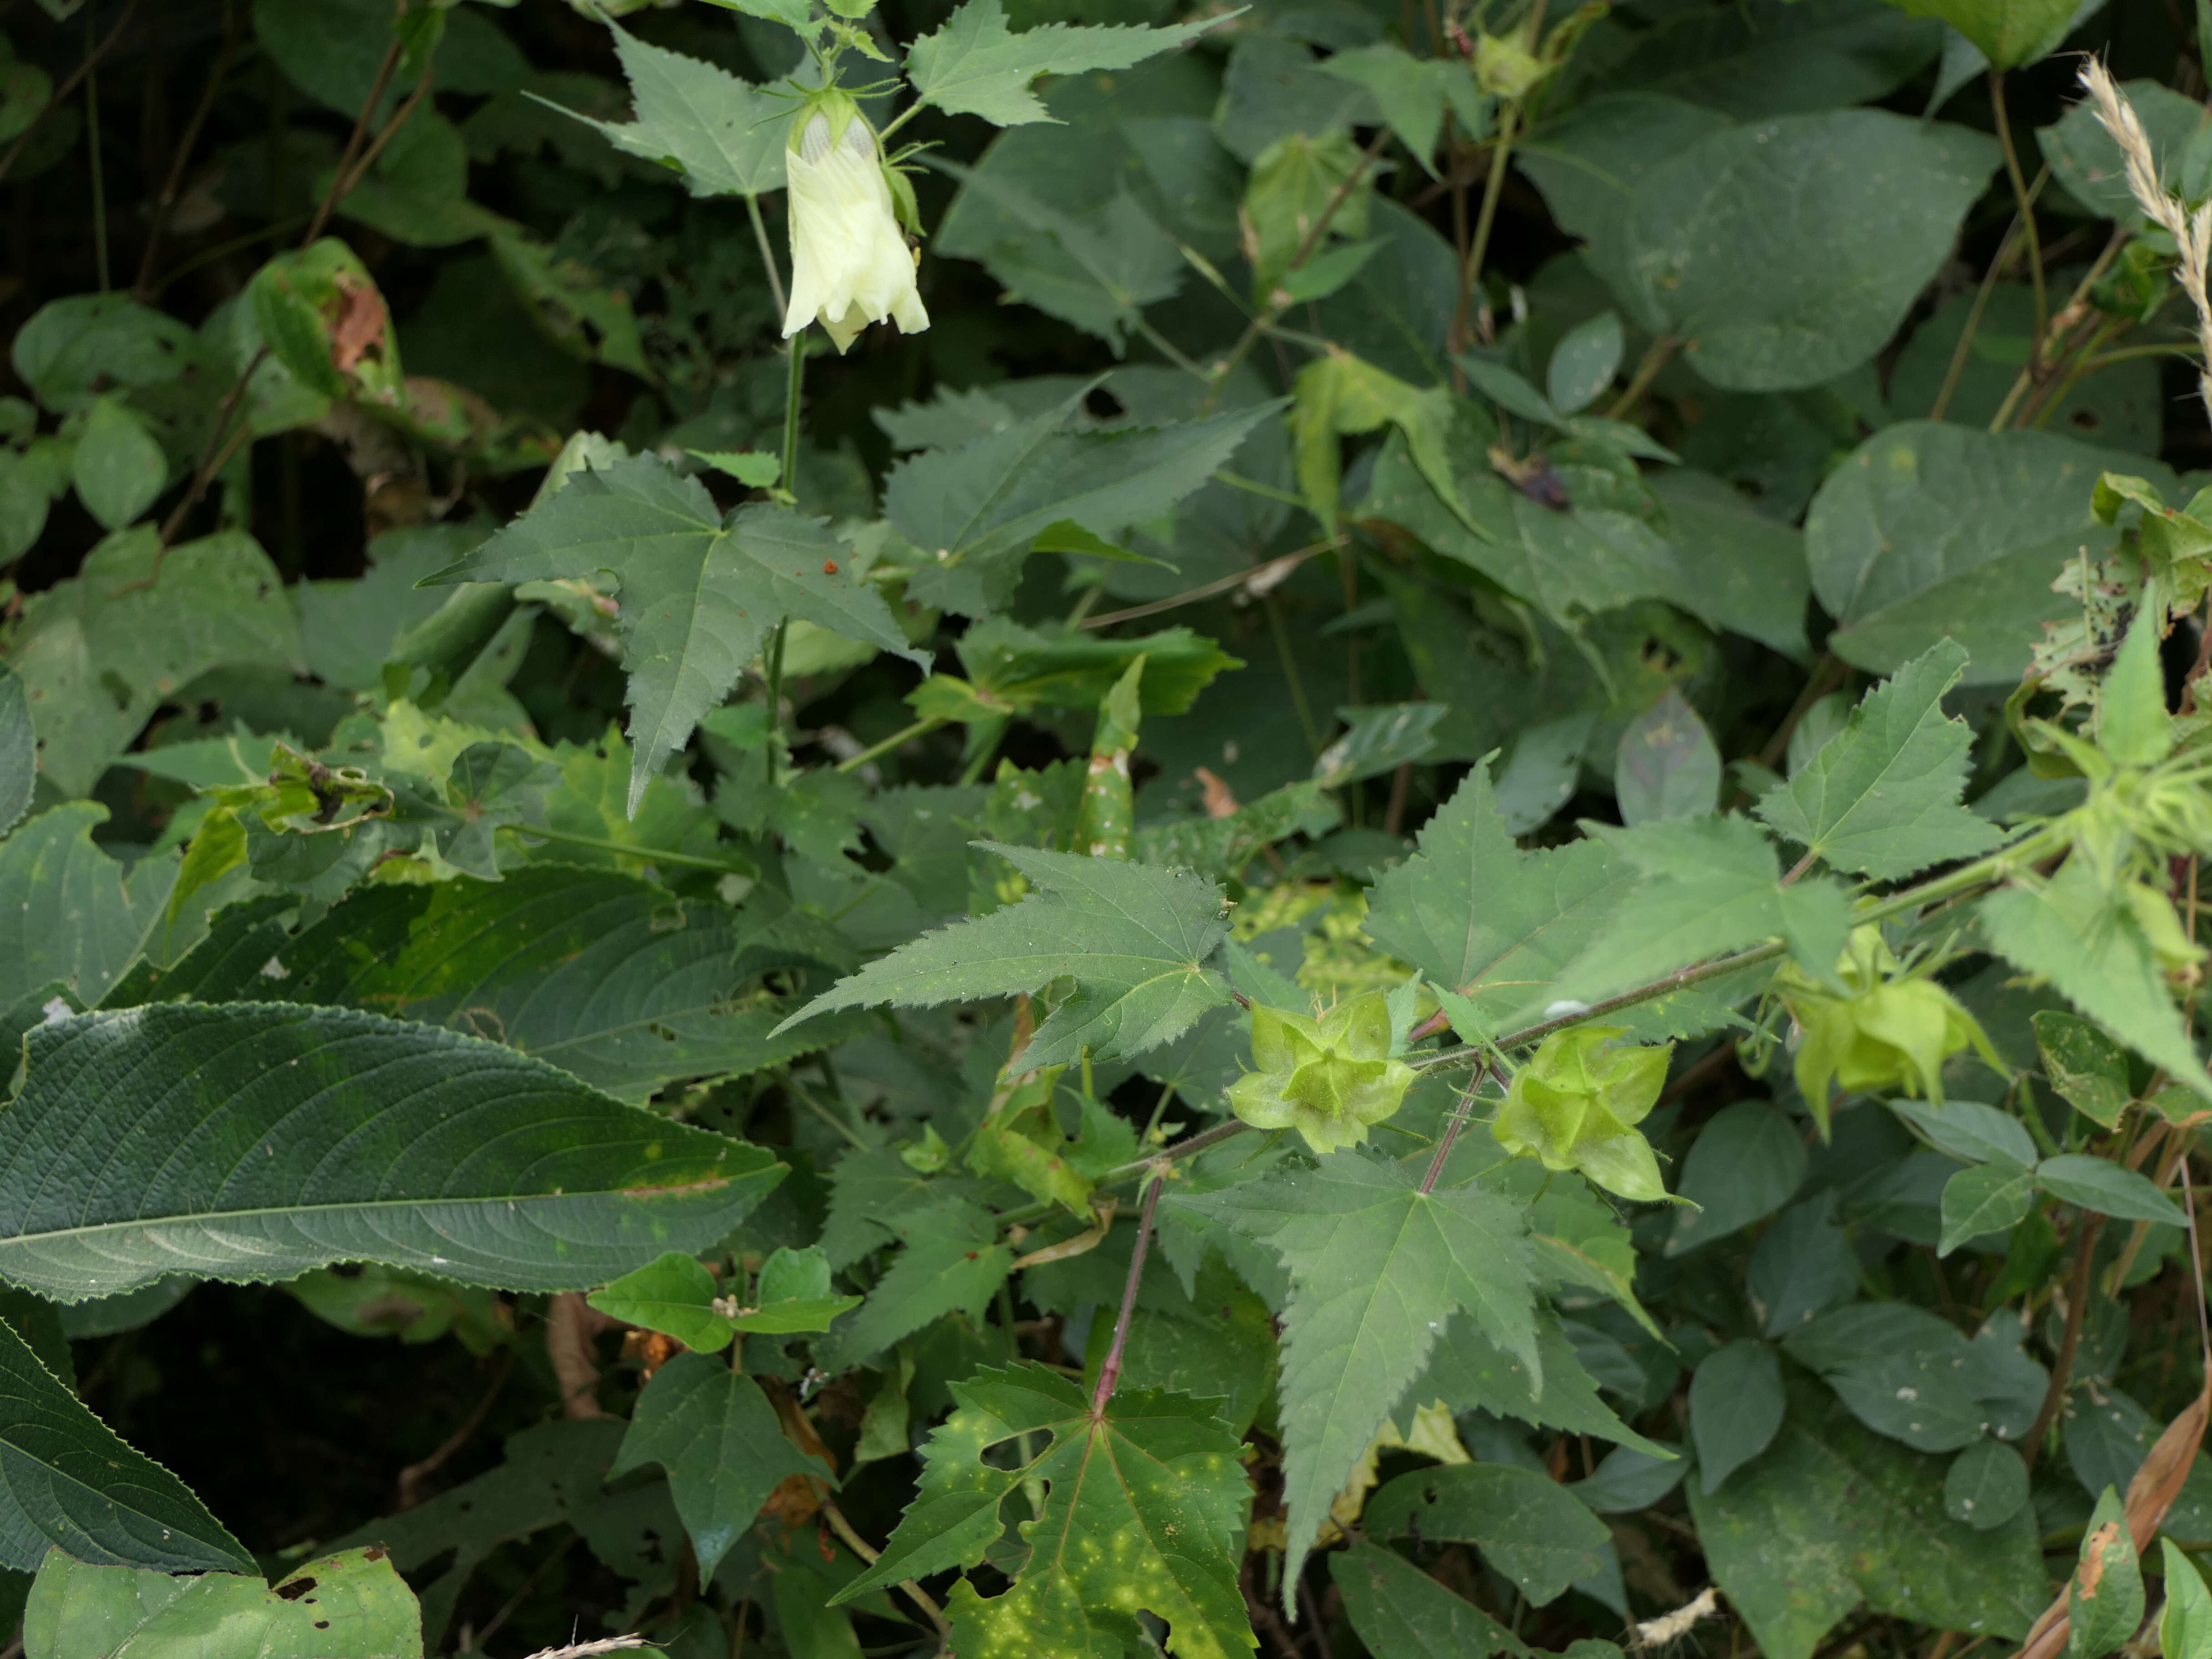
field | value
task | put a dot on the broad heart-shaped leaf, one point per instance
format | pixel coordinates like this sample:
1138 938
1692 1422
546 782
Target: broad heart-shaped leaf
1881 796
71 916
975 510
1476 914
1527 1526
251 1142
350 1606
1134 939
718 1437
100 653
723 135
975 65
1145 1512
1786 252
1377 1269
2088 944
66 1482
700 594
1711 885
1833 1514
608 976
672 1293
1396 1608
1928 532
1736 1404
2009 33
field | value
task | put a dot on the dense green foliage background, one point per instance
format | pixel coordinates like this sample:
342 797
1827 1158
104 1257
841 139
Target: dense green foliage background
1436 894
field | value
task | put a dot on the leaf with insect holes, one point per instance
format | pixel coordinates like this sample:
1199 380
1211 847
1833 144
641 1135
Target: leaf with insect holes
1134 940
1145 1512
700 594
1881 796
974 65
1376 1267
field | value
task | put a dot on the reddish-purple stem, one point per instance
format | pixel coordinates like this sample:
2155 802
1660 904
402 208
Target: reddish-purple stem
1109 1374
1457 1121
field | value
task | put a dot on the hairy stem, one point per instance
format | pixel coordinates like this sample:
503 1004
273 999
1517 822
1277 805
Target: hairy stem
1110 1373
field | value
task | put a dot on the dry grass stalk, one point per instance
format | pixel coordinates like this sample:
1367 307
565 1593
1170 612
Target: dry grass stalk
585 1650
2191 231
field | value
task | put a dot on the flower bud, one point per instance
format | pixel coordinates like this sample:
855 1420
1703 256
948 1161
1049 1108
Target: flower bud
1575 1104
1890 1031
1328 1079
850 265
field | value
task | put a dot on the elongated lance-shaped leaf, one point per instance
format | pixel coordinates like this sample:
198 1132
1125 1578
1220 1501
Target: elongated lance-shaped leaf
252 1142
700 594
1146 1513
1135 939
1378 1268
1881 796
975 65
67 1482
722 134
607 975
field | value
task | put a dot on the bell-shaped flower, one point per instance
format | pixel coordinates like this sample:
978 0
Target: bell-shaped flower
850 264
1890 1031
1576 1105
1328 1079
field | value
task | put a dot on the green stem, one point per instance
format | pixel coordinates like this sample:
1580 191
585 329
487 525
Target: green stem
650 855
2005 252
92 133
1289 662
767 254
927 723
793 389
1253 487
1486 215
2026 202
1647 370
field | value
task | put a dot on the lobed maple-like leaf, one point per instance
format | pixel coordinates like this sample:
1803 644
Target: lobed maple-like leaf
1145 1512
1135 939
975 65
1881 796
700 594
1377 1268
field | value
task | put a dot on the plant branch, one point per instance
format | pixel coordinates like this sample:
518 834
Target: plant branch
626 849
867 1553
1461 1113
874 752
2026 201
1486 217
1266 576
384 73
1655 357
1264 317
2062 1368
767 252
165 203
2011 245
70 84
1110 1372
